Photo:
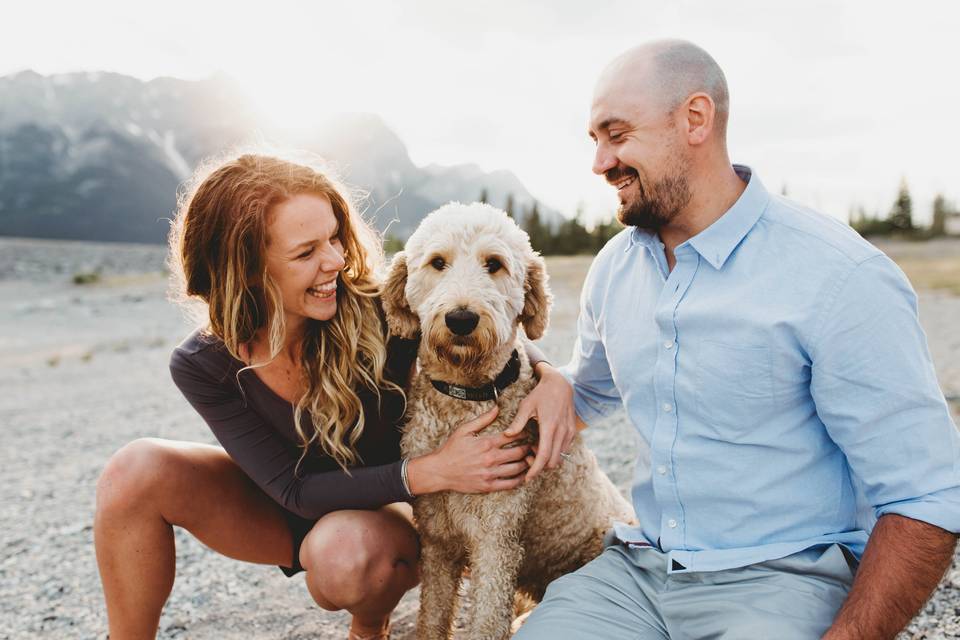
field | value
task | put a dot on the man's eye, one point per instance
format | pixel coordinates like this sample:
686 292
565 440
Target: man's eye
616 137
493 265
438 263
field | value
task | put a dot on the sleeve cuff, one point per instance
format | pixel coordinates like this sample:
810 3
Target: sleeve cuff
534 354
941 509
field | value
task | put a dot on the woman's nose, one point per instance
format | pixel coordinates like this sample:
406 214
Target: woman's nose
333 260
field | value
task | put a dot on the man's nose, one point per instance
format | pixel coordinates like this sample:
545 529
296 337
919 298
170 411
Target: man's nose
603 160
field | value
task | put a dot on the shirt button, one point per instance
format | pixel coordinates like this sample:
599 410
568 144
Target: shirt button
672 523
668 344
667 407
662 470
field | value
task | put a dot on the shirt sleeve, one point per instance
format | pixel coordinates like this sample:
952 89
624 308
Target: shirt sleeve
534 354
595 394
270 460
876 391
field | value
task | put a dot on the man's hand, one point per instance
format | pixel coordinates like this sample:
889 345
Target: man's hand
551 404
902 564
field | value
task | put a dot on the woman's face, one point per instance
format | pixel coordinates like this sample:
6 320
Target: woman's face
304 257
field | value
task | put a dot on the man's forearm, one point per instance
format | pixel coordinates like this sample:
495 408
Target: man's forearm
901 566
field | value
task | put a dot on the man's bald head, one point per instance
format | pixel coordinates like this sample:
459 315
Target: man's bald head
670 71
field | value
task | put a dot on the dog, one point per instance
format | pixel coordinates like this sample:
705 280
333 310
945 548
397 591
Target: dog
466 281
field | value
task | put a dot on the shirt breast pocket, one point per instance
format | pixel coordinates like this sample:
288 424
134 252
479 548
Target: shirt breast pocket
734 385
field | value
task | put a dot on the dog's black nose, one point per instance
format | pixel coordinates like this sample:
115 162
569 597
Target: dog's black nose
462 321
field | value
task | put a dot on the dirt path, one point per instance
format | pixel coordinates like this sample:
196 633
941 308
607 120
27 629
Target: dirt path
83 370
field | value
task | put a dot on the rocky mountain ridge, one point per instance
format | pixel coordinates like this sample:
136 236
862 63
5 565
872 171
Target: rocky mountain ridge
99 156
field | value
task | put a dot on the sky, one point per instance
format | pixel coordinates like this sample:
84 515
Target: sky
834 102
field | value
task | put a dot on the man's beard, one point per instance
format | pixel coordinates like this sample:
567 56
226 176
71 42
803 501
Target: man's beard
656 204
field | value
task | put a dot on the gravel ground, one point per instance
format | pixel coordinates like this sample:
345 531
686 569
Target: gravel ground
84 370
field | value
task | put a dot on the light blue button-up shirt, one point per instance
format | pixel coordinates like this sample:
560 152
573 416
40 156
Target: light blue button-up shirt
779 380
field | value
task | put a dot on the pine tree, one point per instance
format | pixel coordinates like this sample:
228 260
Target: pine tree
484 196
866 224
901 215
539 233
508 207
392 244
940 209
603 231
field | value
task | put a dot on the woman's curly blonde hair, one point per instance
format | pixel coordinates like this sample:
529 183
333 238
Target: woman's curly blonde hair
217 256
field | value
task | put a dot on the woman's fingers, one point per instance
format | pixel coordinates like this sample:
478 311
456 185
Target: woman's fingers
481 422
512 454
509 471
502 439
544 450
568 441
559 445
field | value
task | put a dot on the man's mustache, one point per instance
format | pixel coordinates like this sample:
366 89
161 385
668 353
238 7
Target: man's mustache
619 173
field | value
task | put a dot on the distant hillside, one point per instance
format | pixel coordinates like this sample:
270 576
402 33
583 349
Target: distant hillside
99 156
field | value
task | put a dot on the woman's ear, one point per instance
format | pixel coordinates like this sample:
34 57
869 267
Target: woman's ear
400 319
537 298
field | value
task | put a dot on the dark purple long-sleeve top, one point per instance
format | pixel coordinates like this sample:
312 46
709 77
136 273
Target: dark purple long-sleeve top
255 427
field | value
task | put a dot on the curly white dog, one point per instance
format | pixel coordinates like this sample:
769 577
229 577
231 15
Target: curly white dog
467 280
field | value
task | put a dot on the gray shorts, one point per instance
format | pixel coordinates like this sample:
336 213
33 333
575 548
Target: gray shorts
626 593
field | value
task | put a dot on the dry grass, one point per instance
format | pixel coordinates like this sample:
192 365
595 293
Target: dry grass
928 265
933 273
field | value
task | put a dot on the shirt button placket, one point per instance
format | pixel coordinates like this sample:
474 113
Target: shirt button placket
661 447
667 419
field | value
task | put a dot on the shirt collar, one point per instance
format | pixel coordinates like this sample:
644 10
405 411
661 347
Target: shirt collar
717 242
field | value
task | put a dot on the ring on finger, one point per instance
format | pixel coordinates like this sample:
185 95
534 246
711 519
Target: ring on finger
565 456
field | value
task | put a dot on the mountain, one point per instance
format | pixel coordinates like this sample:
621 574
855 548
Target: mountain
99 156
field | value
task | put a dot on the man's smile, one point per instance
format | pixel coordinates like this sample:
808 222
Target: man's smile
626 182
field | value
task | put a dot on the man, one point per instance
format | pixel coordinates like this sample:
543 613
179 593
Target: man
773 364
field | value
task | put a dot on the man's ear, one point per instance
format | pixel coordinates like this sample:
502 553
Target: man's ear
400 320
537 298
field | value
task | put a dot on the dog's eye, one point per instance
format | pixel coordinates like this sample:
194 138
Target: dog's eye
438 263
493 265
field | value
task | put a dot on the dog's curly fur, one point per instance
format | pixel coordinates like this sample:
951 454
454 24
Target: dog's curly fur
515 542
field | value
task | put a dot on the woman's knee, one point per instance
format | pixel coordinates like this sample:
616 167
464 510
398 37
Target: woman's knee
350 559
130 478
339 544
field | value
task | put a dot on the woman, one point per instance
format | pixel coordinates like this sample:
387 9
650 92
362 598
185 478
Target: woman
295 376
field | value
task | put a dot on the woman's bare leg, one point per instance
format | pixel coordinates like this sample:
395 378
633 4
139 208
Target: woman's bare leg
149 486
363 562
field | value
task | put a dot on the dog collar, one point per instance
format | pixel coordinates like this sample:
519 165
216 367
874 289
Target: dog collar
509 375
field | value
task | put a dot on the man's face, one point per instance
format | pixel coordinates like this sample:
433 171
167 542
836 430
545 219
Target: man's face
640 153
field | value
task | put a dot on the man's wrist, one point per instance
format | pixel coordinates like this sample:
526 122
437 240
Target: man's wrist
541 368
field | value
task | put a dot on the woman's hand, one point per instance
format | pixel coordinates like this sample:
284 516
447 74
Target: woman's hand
551 403
469 462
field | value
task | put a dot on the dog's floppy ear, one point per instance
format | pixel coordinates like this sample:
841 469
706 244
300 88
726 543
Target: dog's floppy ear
536 299
400 320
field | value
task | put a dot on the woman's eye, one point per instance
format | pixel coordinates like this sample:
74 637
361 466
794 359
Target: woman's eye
438 264
494 265
306 254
